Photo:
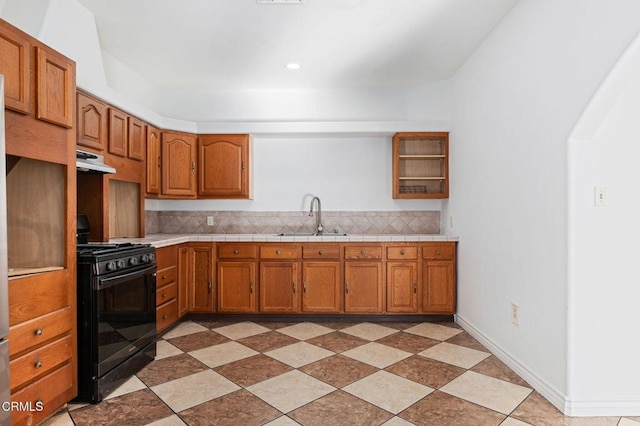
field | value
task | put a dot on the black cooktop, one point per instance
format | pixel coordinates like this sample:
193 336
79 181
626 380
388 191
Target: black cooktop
94 249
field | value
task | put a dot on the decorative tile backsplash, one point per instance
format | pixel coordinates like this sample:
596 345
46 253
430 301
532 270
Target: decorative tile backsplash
244 222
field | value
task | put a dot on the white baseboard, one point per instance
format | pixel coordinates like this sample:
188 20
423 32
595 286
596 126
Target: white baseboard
569 407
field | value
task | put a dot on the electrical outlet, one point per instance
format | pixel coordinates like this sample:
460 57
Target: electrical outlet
515 314
600 196
210 221
450 221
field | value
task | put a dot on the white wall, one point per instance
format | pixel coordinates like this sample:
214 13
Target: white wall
603 288
515 103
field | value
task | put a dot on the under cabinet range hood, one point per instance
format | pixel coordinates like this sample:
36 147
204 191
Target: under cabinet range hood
90 162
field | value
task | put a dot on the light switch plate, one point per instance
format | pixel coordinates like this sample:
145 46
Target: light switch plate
600 196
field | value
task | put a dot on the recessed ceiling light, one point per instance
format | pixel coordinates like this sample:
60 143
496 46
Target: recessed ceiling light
293 66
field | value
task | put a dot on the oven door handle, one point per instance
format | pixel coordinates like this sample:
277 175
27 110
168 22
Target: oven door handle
102 283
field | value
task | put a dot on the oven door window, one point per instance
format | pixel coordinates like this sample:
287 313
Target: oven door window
126 316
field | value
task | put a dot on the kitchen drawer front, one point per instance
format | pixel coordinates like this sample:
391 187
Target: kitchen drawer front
279 252
321 252
166 315
50 392
36 295
39 330
166 293
402 253
39 361
166 276
236 251
438 251
363 252
166 257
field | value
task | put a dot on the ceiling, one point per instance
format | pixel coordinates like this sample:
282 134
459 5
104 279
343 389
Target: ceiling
339 44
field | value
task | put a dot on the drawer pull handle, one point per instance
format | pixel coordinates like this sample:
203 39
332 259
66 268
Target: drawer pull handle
193 167
164 316
39 332
437 252
38 364
294 287
402 253
304 286
415 287
347 287
278 252
250 287
320 252
209 286
236 251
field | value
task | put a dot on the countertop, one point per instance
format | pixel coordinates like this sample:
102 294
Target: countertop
163 240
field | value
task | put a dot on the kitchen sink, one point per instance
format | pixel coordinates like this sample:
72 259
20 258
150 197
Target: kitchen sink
311 234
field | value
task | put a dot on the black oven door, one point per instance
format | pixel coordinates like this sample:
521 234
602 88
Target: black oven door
126 313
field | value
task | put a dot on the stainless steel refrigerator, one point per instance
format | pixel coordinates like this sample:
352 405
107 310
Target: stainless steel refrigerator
5 398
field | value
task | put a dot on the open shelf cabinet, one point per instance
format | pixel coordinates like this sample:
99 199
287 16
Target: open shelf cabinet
421 165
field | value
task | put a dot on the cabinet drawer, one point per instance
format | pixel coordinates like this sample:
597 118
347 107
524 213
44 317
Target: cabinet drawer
438 251
363 252
166 257
166 315
166 276
33 296
236 252
52 391
39 330
279 252
321 252
39 361
166 293
402 253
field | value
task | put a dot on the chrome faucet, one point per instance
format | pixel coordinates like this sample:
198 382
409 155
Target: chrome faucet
319 228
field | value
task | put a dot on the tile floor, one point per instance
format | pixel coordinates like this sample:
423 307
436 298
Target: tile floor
248 373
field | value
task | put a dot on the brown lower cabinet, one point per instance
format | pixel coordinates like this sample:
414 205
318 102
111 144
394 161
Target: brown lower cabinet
331 278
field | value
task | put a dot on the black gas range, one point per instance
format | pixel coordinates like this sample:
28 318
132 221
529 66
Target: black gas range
116 315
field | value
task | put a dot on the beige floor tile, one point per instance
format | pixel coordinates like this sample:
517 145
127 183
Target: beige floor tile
60 419
433 331
192 390
241 330
184 328
378 355
486 391
282 421
131 385
627 422
305 330
165 349
299 354
214 356
388 391
510 421
168 421
455 355
397 421
290 390
369 331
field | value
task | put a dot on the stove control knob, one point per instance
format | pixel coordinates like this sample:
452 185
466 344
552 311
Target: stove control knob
120 264
111 266
145 258
133 261
152 257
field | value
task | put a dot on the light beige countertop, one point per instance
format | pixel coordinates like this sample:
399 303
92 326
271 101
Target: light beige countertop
163 240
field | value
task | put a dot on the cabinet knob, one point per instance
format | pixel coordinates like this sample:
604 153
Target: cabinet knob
38 364
304 286
164 316
320 252
346 287
402 253
415 287
363 253
278 252
437 252
193 166
236 251
39 332
294 287
250 287
164 295
164 277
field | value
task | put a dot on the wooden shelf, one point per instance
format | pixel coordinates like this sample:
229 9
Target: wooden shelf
422 178
420 157
18 272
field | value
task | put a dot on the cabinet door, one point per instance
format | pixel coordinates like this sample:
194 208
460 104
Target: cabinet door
92 123
15 65
201 278
439 287
236 287
279 287
153 160
402 287
178 164
183 281
118 132
363 287
137 138
321 287
56 81
223 166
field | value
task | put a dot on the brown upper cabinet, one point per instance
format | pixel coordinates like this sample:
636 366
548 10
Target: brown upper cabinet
223 166
153 161
92 123
137 138
118 132
56 80
421 165
179 164
15 65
